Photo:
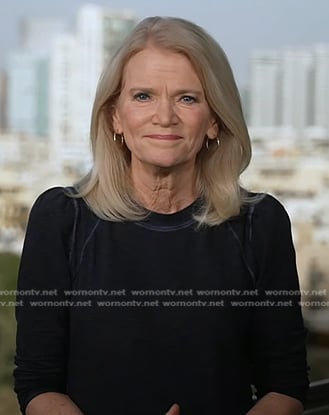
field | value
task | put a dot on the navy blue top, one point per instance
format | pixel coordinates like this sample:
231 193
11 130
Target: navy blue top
129 318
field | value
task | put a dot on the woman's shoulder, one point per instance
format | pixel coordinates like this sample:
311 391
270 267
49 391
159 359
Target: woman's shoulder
267 212
53 200
54 207
266 203
62 207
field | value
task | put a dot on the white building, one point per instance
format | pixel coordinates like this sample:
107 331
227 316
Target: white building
297 94
265 89
3 100
76 65
289 93
321 87
53 75
64 99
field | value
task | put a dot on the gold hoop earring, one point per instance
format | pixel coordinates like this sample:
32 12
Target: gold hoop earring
115 137
207 142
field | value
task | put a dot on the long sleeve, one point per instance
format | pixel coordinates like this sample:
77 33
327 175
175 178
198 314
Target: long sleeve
278 340
44 274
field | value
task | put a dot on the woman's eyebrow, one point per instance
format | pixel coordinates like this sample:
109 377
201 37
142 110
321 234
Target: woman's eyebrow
193 91
141 89
180 91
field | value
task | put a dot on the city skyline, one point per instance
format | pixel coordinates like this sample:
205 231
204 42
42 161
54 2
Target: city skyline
53 73
239 26
57 87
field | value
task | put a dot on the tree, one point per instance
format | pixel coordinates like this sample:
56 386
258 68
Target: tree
9 263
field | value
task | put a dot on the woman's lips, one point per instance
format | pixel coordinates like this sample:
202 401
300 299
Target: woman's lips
164 136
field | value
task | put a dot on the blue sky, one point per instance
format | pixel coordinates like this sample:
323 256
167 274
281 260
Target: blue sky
238 25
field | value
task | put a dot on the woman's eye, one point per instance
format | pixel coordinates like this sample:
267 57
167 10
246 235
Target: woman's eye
187 99
141 96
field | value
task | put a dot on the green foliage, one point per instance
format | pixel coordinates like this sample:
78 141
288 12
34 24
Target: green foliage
9 263
8 401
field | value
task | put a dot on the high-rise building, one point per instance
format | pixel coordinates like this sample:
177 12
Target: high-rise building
64 100
297 99
28 76
3 100
321 86
289 90
28 93
76 65
99 33
53 75
265 81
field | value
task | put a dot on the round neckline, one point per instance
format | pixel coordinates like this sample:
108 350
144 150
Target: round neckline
171 221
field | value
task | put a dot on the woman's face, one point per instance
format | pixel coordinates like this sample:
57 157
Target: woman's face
162 110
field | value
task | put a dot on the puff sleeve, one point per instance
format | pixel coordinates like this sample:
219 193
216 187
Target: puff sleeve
43 319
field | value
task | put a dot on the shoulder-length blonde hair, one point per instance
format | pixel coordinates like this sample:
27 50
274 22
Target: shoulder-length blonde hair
107 188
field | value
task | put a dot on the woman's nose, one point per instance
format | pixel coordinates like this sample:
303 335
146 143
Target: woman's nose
165 113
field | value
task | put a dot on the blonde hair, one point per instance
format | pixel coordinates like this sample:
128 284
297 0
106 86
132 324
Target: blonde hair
107 187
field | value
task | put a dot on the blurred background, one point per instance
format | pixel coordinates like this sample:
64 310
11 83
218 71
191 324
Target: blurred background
51 55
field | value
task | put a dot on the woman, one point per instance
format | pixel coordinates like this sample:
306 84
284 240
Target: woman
150 251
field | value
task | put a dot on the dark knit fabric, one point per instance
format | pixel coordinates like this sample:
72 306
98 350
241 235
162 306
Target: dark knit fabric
129 318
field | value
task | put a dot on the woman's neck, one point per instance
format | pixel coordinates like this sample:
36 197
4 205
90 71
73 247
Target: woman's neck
164 190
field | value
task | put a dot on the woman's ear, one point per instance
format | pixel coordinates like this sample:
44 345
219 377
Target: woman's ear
213 130
116 121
